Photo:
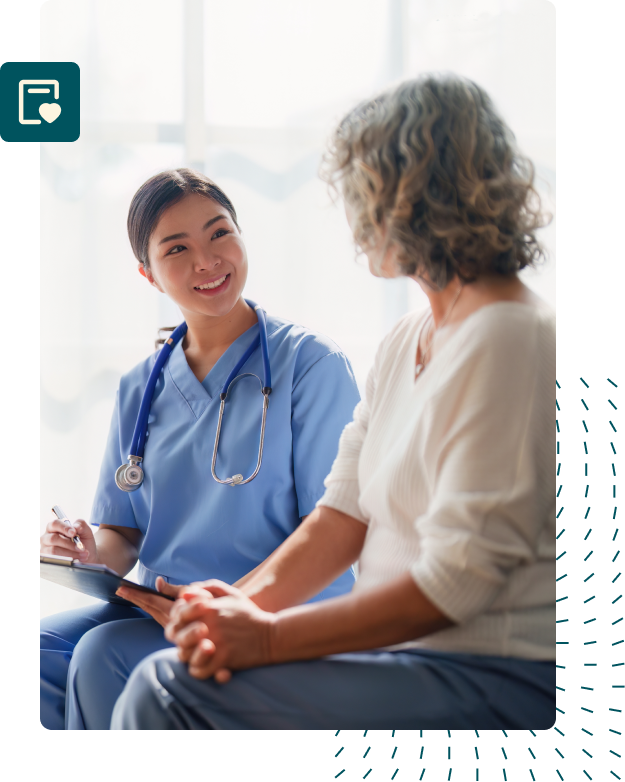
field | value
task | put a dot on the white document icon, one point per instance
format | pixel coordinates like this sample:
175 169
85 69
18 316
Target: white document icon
49 111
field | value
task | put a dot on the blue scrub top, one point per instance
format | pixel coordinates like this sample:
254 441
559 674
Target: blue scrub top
193 527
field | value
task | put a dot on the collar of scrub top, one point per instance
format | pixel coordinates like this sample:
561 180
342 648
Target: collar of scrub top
137 445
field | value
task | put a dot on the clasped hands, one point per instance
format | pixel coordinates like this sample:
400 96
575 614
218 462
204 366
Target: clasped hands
215 626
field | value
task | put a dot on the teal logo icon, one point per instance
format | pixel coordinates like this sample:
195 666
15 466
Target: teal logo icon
39 101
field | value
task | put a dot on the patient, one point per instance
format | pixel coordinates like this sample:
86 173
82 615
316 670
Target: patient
443 486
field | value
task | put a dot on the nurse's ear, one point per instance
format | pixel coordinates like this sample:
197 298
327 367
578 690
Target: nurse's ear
145 272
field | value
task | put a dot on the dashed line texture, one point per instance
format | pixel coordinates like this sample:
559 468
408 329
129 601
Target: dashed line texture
587 739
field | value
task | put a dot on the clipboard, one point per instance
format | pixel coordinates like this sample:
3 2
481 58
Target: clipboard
94 580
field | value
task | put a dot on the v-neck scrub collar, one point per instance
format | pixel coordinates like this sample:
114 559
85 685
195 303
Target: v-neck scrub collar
199 395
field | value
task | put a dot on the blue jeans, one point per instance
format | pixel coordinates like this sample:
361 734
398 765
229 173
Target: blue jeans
365 690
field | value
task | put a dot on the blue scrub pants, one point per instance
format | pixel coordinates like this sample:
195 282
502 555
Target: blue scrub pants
87 656
366 690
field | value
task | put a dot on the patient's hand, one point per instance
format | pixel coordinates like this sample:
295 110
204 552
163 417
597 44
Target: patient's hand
217 628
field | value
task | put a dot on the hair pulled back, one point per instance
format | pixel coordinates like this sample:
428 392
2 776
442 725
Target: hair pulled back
159 193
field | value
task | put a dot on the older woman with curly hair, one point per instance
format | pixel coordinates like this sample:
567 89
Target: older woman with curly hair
442 488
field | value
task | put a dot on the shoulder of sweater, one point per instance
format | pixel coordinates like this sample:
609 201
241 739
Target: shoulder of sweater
409 321
507 323
498 353
501 344
404 329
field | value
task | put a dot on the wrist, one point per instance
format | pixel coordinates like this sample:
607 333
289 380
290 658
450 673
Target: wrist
287 635
94 559
273 638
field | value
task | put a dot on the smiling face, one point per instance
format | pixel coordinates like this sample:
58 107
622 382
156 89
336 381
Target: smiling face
197 257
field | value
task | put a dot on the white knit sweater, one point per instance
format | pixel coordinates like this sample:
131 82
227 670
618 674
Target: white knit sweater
454 474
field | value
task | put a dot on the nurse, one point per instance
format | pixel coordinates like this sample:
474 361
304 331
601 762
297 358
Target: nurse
180 524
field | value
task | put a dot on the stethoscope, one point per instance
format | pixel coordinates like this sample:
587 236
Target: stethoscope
129 476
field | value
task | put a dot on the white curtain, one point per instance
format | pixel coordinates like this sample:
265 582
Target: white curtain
247 91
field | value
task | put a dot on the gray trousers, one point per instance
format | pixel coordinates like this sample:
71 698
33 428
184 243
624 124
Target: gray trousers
368 690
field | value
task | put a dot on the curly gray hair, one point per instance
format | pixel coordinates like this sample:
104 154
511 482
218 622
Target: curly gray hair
432 166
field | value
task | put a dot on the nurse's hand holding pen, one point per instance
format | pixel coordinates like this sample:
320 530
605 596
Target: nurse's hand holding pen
117 548
57 541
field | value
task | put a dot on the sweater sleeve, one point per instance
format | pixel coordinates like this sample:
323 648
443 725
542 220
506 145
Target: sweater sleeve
342 487
322 403
489 440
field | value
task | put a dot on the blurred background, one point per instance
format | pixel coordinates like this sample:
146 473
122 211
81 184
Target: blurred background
248 93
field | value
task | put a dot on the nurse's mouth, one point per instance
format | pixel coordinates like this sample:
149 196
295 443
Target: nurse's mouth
213 287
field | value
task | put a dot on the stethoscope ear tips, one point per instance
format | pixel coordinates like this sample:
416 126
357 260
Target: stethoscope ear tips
129 476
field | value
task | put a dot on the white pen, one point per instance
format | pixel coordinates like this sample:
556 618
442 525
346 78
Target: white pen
62 517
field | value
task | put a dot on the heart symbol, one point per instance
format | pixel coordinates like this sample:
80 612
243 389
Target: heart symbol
49 111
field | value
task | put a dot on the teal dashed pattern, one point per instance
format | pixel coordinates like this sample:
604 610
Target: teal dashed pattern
580 712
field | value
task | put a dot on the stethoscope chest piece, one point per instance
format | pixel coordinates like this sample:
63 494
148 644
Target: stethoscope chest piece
238 480
129 476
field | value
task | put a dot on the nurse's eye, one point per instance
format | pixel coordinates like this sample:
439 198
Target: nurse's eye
221 232
175 250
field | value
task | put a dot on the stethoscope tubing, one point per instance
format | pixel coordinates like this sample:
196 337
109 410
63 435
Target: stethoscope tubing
137 445
261 338
129 477
264 346
238 480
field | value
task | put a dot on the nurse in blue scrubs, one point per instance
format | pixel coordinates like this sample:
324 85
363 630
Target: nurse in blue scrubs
181 524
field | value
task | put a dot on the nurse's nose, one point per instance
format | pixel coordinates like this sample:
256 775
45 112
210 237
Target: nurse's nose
205 260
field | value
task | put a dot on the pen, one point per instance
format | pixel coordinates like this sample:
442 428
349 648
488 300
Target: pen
62 517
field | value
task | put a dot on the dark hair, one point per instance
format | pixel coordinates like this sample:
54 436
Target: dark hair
433 163
155 196
159 193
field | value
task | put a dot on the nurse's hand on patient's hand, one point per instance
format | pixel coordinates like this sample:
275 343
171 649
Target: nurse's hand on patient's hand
57 540
221 633
159 608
